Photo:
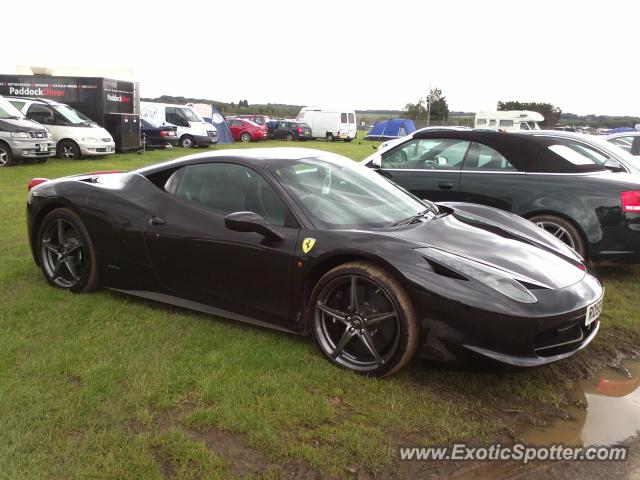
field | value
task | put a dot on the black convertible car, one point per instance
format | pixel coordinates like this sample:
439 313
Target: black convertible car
313 243
576 188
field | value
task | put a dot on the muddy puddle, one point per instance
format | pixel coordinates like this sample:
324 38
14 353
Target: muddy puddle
604 411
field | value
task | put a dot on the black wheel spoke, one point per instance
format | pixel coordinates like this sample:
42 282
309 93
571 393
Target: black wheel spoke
57 267
344 339
73 247
368 342
337 314
379 317
50 246
70 264
353 290
61 236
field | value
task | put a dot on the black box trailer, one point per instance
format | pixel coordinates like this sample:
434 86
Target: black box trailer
96 97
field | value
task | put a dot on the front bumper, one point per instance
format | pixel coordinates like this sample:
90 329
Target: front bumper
202 140
33 149
91 149
454 332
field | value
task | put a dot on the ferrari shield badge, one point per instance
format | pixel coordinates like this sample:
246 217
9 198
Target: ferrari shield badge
307 244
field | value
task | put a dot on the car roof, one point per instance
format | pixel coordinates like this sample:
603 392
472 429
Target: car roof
42 101
258 157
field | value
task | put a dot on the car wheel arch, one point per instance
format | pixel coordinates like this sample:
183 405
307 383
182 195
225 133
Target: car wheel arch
37 223
319 270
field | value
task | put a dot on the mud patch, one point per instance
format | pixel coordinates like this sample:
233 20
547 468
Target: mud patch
605 411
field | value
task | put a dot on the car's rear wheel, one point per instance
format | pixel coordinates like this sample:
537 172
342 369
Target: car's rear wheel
68 149
6 156
245 137
329 137
363 320
187 141
290 137
563 230
65 252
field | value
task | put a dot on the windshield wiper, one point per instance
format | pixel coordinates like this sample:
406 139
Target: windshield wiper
414 218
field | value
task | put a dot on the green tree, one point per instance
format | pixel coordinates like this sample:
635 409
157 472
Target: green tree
439 107
550 112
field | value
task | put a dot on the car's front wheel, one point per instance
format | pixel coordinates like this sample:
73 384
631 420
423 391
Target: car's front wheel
363 320
563 230
187 141
68 149
65 252
6 155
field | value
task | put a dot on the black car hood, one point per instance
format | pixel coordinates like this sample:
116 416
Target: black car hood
505 242
19 125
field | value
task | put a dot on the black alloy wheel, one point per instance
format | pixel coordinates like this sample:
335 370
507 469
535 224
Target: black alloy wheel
363 319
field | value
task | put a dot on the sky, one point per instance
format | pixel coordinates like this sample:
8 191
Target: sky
578 55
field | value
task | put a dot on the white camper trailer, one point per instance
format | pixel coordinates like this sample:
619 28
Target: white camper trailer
509 120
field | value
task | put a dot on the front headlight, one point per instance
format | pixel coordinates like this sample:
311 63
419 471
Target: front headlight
20 135
494 278
90 140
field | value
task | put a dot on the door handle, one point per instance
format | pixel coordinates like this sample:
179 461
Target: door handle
445 186
156 220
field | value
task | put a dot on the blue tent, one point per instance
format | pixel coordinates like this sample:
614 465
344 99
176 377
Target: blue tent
384 130
218 121
620 130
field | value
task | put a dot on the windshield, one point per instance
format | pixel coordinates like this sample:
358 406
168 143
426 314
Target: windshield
71 115
190 114
8 111
344 194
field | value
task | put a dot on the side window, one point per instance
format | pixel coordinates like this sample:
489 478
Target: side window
492 123
483 158
343 118
41 114
427 154
506 123
17 103
236 123
481 121
352 118
226 188
171 115
578 153
283 125
623 142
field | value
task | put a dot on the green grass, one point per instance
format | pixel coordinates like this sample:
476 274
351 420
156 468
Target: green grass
108 386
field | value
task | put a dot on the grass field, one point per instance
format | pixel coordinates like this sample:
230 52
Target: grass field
108 386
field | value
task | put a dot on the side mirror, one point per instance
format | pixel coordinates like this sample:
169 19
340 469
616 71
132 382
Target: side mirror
376 161
614 165
251 222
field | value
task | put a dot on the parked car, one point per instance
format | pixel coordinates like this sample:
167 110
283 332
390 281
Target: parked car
191 129
331 249
245 130
157 136
574 189
259 119
75 134
21 138
329 123
289 130
628 141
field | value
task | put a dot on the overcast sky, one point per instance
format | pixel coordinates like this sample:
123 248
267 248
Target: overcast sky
578 55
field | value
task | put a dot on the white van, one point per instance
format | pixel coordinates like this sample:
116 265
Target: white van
75 134
329 123
509 120
192 130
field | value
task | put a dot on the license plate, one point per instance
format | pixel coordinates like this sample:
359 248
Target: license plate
44 148
593 312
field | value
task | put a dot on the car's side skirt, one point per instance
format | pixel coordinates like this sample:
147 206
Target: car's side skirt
202 307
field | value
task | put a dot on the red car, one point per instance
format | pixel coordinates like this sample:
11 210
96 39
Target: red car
246 130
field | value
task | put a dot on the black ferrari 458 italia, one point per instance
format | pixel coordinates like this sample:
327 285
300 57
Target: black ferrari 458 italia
313 243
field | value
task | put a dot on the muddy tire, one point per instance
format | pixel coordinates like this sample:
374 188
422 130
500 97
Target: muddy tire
563 230
65 252
362 319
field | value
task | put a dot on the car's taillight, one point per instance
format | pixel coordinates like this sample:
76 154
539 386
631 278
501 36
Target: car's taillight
164 133
630 201
299 130
34 182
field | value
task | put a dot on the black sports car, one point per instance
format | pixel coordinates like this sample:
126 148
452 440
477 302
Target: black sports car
574 186
313 243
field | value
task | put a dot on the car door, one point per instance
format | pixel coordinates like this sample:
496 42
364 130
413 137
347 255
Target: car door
281 130
197 257
427 167
489 178
234 127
